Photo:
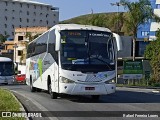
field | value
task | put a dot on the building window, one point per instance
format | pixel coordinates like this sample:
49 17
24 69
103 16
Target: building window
28 5
145 33
6 10
6 3
34 20
5 32
47 15
20 26
21 5
6 18
54 14
13 33
47 22
40 21
13 11
27 12
41 7
158 6
20 38
27 20
20 12
40 14
20 52
34 13
5 25
13 26
20 19
34 6
47 8
12 18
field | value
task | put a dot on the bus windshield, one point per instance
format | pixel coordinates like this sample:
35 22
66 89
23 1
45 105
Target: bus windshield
6 69
88 49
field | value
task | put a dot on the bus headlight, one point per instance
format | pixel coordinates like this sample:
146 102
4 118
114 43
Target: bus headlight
111 81
66 80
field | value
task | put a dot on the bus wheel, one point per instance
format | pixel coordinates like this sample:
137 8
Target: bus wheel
32 89
38 89
52 94
95 97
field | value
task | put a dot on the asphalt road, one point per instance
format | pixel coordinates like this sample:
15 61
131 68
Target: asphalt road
112 106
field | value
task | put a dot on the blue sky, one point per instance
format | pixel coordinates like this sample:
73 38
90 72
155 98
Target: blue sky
73 8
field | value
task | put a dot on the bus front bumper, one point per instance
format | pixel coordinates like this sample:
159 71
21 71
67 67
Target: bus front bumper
6 80
87 89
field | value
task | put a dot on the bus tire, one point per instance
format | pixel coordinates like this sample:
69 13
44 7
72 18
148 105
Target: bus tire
53 95
38 89
95 97
32 89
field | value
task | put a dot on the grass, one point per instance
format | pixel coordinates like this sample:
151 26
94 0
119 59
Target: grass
8 103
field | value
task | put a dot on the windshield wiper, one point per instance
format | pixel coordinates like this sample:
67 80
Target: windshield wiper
96 58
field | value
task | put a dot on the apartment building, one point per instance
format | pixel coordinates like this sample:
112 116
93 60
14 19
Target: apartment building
22 37
25 13
148 30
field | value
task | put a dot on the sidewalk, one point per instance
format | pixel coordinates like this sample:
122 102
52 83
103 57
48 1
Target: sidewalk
154 89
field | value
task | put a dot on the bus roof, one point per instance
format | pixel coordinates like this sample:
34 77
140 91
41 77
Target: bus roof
77 27
5 59
60 27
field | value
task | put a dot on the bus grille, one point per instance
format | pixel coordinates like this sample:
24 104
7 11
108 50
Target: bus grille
92 78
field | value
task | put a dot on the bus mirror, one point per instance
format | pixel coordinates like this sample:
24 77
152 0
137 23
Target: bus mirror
118 41
57 44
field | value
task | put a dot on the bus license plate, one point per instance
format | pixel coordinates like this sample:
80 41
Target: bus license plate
89 88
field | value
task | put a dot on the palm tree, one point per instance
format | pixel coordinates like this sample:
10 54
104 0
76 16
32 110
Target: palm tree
138 13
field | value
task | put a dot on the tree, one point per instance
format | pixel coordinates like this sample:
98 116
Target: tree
138 13
96 20
152 52
3 38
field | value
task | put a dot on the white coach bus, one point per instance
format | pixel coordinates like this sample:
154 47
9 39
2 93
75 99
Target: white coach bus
6 71
73 59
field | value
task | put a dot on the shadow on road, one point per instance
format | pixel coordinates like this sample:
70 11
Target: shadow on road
119 97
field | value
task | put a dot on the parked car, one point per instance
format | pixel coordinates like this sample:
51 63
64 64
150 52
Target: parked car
20 78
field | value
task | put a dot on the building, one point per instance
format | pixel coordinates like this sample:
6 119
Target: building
22 37
7 47
25 13
147 31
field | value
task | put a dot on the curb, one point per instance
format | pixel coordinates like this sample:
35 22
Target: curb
140 87
156 91
21 106
39 106
153 89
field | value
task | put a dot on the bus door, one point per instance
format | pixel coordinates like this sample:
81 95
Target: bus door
56 77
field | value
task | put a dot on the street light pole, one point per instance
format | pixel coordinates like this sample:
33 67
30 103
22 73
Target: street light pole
116 61
15 46
117 4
